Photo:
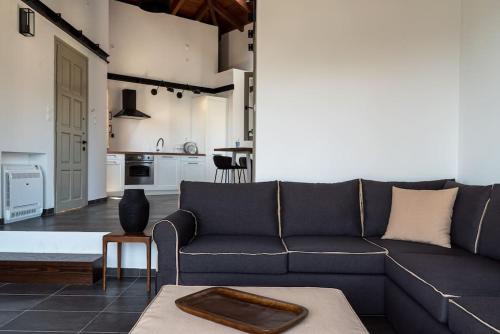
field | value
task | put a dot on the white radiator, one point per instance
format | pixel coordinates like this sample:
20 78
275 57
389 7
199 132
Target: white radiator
22 192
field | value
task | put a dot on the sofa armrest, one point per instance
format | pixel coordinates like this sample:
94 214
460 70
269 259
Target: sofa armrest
170 234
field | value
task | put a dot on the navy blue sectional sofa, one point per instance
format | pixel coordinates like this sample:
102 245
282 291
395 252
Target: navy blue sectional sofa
329 235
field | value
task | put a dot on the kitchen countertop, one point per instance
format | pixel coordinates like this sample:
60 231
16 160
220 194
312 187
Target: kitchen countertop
157 153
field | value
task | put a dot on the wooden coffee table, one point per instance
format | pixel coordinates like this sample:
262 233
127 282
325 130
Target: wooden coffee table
329 312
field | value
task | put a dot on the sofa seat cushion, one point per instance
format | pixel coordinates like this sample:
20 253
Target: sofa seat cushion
432 279
337 255
234 254
477 315
400 246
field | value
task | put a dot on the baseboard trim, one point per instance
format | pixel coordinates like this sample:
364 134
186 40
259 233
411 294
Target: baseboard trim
98 201
48 212
130 272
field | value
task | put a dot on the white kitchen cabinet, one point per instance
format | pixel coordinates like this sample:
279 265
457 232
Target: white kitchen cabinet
193 169
115 173
167 172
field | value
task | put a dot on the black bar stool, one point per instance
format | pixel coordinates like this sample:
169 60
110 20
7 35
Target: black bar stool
243 167
224 164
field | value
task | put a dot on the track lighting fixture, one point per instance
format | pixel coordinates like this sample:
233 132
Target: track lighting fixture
180 92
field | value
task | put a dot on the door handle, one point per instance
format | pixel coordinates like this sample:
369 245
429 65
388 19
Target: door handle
84 142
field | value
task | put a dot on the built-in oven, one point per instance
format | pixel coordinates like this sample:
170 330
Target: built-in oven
139 169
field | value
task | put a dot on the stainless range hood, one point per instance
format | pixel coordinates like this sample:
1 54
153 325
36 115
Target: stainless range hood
129 97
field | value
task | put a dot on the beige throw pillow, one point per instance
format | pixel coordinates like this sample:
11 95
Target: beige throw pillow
421 216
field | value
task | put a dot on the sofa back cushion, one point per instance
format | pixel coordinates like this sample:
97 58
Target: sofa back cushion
489 233
232 209
377 201
320 209
467 213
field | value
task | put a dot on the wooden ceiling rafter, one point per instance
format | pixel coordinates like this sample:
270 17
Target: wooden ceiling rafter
226 14
212 12
202 12
243 4
178 7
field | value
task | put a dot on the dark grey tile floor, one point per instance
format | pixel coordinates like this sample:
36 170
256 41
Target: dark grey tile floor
38 308
52 308
378 325
95 218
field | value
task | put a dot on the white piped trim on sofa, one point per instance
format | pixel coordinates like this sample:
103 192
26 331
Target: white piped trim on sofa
476 244
284 245
230 253
280 227
331 253
421 279
176 247
362 208
475 316
377 245
337 253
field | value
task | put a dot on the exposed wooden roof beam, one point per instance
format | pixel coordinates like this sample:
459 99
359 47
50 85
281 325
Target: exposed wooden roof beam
200 14
243 4
212 12
226 16
178 7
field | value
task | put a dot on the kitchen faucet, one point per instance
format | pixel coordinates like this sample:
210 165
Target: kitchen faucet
162 144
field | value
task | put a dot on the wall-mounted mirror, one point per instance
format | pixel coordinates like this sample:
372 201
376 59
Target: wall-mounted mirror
249 106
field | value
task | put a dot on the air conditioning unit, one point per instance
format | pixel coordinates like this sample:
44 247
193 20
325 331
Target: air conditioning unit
22 192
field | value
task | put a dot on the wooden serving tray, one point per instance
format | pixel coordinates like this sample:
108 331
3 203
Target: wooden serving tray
243 311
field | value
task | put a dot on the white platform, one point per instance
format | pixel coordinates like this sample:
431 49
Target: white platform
133 255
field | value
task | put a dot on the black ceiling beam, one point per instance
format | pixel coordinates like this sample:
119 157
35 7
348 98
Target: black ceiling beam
64 25
161 83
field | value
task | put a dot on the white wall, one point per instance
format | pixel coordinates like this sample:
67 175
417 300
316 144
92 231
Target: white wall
27 89
133 254
479 155
234 50
91 16
163 47
170 119
358 88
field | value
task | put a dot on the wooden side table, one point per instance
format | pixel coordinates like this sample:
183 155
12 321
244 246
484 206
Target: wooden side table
121 238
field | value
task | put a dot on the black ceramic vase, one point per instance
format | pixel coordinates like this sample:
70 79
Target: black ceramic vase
134 211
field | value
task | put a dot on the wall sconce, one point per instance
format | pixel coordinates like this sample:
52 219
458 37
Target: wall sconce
26 22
